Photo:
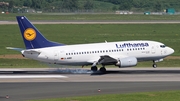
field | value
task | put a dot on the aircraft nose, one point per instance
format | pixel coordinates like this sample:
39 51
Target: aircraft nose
170 50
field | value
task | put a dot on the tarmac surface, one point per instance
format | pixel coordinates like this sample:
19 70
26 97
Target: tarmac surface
29 84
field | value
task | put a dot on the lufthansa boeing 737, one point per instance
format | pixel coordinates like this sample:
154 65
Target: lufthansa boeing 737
121 54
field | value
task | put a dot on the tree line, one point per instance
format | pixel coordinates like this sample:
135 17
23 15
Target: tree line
151 5
87 5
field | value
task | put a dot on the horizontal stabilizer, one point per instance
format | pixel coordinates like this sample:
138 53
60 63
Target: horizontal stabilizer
31 52
16 49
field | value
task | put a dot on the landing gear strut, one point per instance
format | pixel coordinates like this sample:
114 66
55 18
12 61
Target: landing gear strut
154 64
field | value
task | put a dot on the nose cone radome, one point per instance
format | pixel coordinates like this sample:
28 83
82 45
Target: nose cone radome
170 51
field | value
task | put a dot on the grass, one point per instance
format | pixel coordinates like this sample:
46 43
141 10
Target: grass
147 96
91 33
21 63
84 17
28 63
165 63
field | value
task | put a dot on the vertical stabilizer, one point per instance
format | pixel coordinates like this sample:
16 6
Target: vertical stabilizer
31 36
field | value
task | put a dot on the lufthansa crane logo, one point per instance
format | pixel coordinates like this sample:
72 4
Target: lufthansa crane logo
29 34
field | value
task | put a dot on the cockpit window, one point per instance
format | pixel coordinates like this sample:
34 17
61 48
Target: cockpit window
162 46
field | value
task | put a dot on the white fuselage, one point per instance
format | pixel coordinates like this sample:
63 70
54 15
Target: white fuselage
86 54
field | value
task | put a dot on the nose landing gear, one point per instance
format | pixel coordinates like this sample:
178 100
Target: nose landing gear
154 64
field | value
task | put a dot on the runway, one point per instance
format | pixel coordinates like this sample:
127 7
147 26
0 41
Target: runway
84 75
28 91
125 80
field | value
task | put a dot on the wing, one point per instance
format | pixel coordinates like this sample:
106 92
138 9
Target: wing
104 60
107 60
121 61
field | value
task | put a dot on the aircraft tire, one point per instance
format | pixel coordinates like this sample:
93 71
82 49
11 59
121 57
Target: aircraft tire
102 69
94 68
154 65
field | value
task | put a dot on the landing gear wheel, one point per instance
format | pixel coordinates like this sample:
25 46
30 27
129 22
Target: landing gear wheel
94 68
154 65
102 69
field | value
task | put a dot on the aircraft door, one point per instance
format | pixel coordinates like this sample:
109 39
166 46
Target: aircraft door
56 55
153 49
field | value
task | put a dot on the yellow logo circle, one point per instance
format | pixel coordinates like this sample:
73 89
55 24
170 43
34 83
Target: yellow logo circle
29 34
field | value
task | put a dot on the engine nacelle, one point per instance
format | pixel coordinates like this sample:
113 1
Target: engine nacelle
127 62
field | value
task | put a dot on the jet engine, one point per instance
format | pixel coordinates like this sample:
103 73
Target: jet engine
127 62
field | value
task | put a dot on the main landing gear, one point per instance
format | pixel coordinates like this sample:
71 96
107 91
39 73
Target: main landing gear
94 68
102 69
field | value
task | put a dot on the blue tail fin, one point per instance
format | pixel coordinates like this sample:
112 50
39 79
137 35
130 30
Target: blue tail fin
31 36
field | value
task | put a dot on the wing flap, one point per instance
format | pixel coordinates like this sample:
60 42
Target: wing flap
107 60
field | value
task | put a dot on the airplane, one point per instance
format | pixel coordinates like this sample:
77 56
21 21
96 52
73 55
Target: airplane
121 54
